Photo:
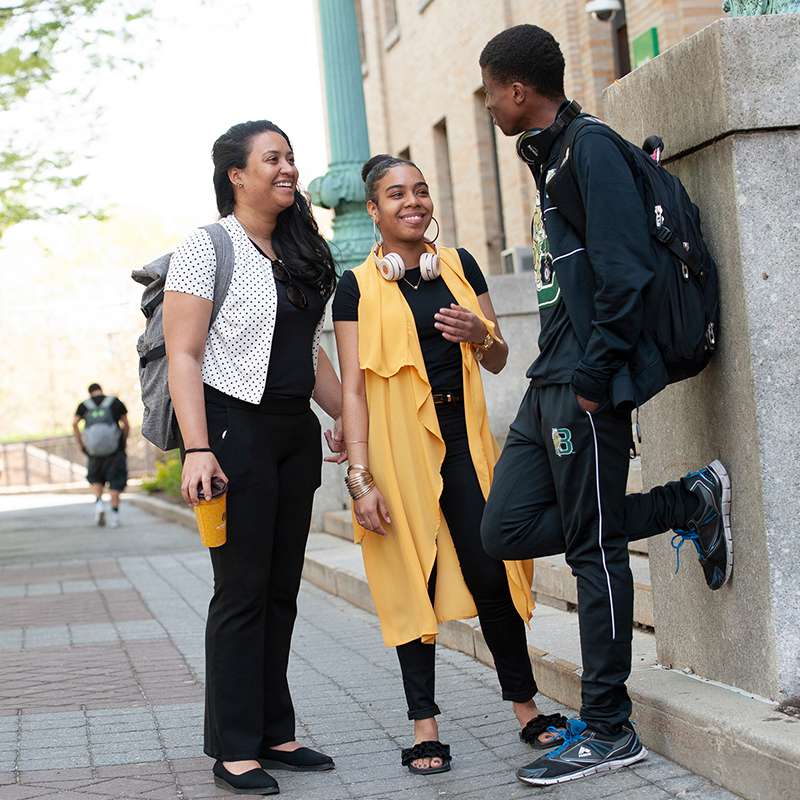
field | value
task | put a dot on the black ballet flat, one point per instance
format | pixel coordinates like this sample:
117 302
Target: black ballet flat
254 781
431 749
304 759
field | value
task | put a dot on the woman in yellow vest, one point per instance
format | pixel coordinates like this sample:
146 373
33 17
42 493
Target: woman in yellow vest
414 323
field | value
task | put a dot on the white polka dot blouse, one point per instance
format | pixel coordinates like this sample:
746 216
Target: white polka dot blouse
238 347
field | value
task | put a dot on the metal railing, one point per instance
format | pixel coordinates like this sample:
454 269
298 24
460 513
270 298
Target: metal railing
60 460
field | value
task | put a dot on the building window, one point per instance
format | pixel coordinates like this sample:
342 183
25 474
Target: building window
491 194
391 30
619 33
445 206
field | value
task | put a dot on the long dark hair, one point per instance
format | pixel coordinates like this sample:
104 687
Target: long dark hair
296 238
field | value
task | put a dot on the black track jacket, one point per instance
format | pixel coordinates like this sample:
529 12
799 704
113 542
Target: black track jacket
600 280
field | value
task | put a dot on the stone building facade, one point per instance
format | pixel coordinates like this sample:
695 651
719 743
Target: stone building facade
422 87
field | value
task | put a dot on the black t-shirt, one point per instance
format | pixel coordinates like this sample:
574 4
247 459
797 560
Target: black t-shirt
291 373
118 410
442 358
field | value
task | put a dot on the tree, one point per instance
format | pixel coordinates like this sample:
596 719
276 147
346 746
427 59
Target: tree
51 54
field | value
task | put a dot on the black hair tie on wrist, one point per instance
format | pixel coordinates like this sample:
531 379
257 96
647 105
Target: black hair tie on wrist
198 450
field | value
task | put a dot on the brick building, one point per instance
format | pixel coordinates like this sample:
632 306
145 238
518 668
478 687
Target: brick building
422 87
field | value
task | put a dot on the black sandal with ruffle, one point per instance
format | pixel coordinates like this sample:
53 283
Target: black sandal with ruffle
538 725
427 750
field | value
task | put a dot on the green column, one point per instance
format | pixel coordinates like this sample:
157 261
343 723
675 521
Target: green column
341 188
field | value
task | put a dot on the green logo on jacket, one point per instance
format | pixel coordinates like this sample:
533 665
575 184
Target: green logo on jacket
547 288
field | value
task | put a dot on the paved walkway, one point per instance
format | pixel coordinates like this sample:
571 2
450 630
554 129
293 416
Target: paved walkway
101 670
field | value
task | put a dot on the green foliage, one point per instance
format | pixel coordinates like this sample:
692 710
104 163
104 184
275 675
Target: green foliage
168 476
52 52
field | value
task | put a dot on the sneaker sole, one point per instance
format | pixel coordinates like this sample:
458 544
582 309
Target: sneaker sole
608 766
722 476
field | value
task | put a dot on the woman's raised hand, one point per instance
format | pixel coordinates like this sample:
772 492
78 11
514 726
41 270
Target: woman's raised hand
371 511
459 324
198 470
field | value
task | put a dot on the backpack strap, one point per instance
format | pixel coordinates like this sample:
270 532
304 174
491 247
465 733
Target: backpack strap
570 201
108 401
223 249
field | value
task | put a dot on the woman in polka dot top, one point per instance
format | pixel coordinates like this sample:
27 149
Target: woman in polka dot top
241 392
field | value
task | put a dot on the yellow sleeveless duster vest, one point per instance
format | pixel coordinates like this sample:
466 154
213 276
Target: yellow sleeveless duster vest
406 451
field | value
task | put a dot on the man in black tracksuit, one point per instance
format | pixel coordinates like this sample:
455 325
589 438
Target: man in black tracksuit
559 486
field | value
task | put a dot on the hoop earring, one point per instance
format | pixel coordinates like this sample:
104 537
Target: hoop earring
431 241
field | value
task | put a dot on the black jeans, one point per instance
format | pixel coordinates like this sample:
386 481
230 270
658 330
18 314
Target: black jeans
462 504
559 487
272 456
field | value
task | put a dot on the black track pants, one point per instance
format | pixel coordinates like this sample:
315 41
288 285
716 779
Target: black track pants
272 456
559 487
462 505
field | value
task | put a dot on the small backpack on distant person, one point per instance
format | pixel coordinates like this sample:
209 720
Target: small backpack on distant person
158 423
101 434
682 300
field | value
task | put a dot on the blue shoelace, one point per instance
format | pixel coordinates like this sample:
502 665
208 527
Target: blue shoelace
571 734
682 537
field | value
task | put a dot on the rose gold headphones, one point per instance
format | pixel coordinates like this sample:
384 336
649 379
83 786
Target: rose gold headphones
391 265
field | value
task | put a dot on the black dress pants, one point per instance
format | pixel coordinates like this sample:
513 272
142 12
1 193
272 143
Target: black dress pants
272 456
559 487
462 504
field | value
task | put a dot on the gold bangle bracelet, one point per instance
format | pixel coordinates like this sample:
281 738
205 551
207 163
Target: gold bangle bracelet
363 493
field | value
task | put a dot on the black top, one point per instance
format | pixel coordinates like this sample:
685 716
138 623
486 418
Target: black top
118 410
291 374
442 358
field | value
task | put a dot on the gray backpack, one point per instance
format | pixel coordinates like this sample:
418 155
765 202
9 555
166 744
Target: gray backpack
101 433
159 425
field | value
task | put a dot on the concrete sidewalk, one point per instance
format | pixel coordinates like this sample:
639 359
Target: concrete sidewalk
101 669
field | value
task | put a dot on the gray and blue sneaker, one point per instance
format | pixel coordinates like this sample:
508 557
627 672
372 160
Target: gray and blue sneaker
583 753
710 528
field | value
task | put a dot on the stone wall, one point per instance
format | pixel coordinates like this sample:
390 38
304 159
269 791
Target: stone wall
733 138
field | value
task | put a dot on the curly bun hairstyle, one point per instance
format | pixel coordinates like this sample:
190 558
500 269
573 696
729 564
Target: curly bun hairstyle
376 168
297 241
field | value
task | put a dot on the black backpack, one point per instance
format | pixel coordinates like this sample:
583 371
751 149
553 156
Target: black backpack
682 300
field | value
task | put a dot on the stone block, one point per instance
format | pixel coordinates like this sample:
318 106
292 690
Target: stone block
749 81
738 128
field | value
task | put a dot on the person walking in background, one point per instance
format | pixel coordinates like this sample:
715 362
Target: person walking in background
414 323
102 440
241 392
561 479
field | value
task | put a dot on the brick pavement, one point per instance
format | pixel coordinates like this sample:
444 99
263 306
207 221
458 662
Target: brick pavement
101 668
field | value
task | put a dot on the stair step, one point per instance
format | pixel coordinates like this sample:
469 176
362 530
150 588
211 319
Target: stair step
553 582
